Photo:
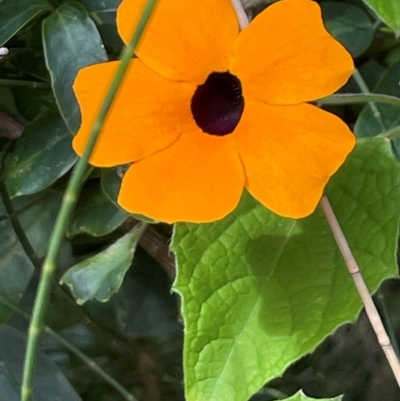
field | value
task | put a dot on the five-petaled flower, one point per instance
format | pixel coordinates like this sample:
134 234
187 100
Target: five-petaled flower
206 111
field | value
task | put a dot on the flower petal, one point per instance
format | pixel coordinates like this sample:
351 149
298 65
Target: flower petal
148 114
198 179
286 56
184 40
289 153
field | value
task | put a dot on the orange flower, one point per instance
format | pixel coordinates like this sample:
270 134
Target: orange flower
205 111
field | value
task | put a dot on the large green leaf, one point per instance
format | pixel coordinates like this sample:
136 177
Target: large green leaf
348 24
17 13
71 29
388 11
368 124
100 276
259 291
42 155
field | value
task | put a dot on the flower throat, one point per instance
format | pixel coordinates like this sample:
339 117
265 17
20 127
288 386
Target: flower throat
217 105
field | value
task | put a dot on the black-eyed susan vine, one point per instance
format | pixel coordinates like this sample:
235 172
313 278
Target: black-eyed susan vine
216 127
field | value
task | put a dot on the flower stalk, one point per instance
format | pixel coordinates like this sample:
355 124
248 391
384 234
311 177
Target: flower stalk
68 203
354 270
351 98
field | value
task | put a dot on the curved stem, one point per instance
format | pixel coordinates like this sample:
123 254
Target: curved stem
18 229
364 89
68 203
390 134
89 362
354 270
349 98
26 84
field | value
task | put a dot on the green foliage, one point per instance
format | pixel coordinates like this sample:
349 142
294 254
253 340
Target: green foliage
258 291
369 123
388 11
254 286
41 155
71 29
350 25
15 14
15 267
100 276
95 214
50 383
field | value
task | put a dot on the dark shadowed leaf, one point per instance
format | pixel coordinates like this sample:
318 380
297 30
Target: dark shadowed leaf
369 124
349 25
41 155
95 214
15 267
15 14
71 29
49 384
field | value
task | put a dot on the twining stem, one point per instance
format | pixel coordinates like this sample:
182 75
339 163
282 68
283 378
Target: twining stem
362 288
22 83
390 134
18 229
68 203
349 98
364 89
89 362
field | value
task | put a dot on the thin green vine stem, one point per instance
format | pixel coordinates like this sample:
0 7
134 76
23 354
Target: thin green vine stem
349 98
390 134
16 224
89 362
364 89
68 203
22 83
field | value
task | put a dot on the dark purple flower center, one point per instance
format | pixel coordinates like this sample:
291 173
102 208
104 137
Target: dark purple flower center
217 105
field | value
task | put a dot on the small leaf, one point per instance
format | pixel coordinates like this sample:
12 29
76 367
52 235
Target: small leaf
42 154
388 11
260 291
100 276
95 214
300 396
15 14
70 29
349 25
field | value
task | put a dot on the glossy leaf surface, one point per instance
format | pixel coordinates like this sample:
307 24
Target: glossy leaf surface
42 155
15 14
71 29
